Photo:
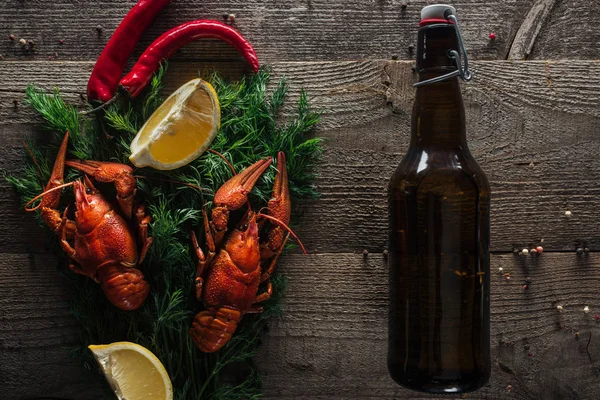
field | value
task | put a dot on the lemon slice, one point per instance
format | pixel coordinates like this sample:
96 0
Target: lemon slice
180 129
133 371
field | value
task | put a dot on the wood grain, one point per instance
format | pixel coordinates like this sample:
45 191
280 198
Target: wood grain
37 333
531 125
569 26
331 343
529 29
296 30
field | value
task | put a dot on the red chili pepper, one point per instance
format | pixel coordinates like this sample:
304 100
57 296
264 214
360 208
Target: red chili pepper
171 41
111 63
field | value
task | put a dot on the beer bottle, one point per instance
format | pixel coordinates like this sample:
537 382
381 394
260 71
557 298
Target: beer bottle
439 203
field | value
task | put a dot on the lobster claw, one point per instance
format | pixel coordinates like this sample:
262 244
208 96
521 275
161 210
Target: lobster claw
280 207
233 195
119 174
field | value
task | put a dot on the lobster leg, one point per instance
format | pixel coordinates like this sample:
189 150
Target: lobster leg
109 172
233 195
71 252
265 295
142 221
273 263
203 260
280 207
50 201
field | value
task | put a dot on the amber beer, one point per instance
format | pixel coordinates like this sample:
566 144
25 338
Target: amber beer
439 203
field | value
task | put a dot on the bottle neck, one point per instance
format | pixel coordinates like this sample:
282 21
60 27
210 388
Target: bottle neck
438 117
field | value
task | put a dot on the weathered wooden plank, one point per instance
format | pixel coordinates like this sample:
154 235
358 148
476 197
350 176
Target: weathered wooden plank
569 32
331 342
295 31
37 333
532 127
529 29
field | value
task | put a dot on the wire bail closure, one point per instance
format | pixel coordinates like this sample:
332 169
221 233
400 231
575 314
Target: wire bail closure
462 64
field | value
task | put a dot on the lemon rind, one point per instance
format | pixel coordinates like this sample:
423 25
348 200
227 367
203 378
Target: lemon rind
140 155
102 351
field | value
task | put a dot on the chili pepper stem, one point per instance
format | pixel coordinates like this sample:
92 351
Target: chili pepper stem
101 106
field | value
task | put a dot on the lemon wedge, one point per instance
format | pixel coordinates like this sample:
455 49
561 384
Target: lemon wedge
180 130
133 371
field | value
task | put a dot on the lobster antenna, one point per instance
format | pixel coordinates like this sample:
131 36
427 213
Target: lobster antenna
45 192
284 226
224 159
37 167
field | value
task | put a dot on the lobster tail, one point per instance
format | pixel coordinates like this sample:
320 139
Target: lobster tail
125 287
213 328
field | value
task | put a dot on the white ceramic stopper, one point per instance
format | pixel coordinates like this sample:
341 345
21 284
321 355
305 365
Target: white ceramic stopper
436 11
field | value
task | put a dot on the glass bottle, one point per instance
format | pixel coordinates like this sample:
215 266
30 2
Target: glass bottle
439 203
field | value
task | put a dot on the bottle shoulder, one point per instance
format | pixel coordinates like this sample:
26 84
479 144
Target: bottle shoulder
446 167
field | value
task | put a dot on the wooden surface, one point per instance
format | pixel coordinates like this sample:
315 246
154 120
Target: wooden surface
533 126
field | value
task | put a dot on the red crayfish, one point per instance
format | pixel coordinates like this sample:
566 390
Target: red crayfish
105 247
228 276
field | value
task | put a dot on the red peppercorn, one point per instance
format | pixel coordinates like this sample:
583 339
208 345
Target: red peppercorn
61 41
12 37
539 249
597 317
492 36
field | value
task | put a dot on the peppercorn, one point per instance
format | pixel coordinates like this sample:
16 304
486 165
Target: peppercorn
492 36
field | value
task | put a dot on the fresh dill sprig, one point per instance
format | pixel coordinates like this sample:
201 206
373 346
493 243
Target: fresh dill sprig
60 118
250 130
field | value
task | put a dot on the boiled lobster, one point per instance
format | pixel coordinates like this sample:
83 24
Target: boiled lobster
229 274
105 246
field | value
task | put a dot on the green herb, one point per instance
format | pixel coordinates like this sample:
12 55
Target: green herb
250 130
